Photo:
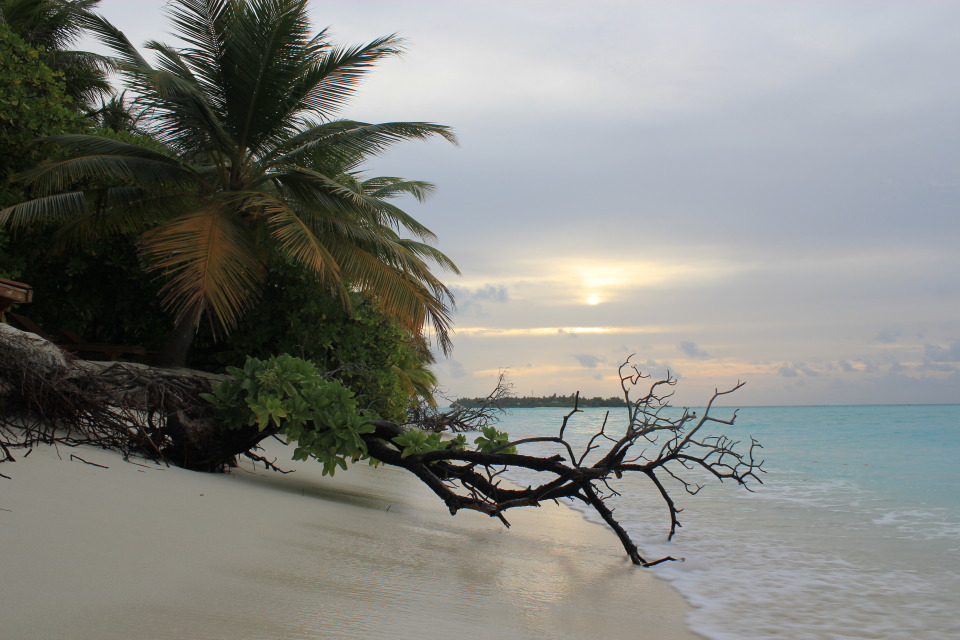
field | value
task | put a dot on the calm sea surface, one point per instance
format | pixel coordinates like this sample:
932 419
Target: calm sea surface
855 532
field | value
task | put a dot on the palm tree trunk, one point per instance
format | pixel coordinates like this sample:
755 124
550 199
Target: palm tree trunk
175 348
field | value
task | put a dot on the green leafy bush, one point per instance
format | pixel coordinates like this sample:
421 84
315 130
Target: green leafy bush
289 393
369 352
101 291
414 441
494 441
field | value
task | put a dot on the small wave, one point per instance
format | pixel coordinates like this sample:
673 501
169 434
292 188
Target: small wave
841 551
924 524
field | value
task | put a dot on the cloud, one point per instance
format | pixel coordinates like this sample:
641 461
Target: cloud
940 367
887 336
489 292
693 351
794 370
454 369
936 353
587 360
470 300
788 371
553 331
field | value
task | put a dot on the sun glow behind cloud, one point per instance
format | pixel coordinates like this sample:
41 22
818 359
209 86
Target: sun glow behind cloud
601 280
554 331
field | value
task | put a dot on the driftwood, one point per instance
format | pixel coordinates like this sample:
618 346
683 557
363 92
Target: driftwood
459 418
158 414
48 397
652 444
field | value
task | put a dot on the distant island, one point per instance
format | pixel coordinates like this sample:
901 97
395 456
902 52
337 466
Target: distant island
543 401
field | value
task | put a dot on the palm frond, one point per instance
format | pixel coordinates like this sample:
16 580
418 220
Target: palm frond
319 195
119 211
49 210
210 265
412 302
427 252
149 174
332 81
391 187
346 143
296 238
126 54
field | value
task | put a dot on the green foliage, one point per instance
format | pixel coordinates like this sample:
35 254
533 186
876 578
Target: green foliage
255 163
290 395
414 441
369 351
99 291
33 103
494 441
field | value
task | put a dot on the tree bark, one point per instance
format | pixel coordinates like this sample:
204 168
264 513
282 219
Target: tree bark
158 413
176 347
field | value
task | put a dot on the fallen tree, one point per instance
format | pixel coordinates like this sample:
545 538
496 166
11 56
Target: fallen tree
202 422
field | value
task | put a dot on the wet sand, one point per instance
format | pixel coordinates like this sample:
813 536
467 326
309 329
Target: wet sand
154 552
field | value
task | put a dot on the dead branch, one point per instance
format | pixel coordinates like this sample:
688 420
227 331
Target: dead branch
92 464
459 418
652 442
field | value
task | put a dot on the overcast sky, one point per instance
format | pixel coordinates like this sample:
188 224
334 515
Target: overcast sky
758 191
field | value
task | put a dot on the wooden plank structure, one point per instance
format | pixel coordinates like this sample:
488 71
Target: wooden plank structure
13 292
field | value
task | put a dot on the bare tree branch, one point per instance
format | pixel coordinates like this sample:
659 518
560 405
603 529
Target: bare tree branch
667 443
460 418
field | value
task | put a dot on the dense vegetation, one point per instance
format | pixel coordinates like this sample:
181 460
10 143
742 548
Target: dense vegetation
99 208
247 162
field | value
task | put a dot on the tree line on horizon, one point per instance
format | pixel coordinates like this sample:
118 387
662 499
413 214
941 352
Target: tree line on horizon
554 400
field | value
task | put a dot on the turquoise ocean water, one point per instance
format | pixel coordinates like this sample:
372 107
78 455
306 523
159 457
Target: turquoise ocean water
855 532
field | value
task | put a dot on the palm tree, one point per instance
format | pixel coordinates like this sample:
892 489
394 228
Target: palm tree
118 114
248 160
56 25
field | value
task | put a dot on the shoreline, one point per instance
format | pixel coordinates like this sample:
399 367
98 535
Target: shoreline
156 552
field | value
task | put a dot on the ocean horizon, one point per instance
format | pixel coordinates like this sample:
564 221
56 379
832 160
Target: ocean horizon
854 533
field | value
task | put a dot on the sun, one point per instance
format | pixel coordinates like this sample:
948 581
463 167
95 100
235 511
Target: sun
593 299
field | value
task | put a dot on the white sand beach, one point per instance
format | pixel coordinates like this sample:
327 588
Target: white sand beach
152 552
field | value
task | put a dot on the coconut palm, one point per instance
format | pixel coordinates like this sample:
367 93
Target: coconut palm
118 114
248 160
56 25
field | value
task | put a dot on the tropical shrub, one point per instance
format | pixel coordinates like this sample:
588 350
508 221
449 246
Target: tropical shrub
289 395
33 104
369 351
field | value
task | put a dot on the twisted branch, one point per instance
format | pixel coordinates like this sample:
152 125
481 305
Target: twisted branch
466 479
